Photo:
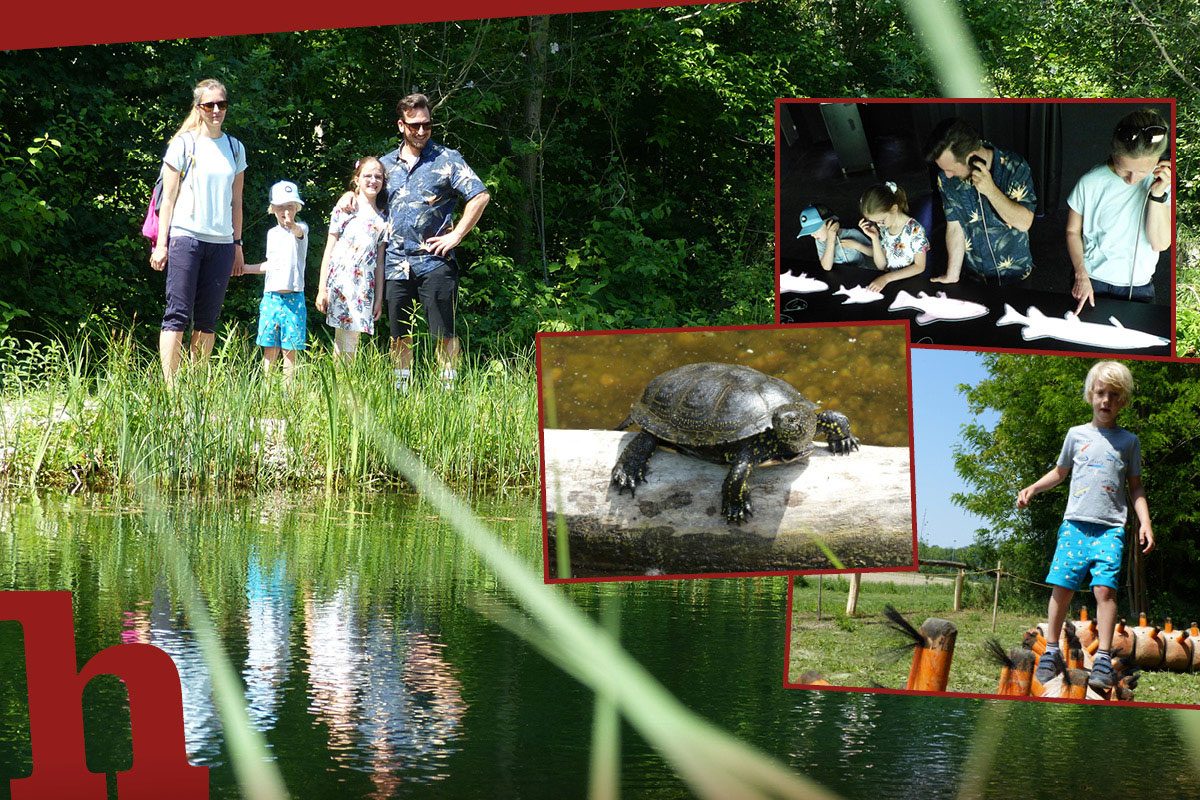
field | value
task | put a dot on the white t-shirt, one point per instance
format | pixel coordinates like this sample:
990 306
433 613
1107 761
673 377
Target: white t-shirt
286 258
1114 216
204 209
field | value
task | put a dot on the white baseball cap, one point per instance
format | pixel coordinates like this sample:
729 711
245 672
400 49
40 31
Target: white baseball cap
285 192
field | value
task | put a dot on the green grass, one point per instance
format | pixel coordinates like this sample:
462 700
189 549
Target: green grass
863 652
1187 292
94 411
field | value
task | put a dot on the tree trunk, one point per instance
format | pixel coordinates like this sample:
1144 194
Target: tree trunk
532 244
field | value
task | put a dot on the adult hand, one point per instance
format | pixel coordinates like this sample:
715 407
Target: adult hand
1146 538
239 261
869 228
441 245
347 202
378 310
1083 292
1162 179
158 257
981 179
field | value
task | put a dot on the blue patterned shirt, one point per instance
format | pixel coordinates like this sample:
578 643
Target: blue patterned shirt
421 203
1011 174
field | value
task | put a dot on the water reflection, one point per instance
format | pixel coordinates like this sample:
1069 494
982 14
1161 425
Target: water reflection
268 652
372 676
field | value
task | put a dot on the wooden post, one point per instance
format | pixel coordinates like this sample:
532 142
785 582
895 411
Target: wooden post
930 671
1017 680
996 597
852 599
958 587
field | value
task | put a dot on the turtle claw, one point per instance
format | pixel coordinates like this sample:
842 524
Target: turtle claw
836 427
737 512
628 479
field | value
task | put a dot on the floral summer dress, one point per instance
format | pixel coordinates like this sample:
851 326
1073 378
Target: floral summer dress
351 283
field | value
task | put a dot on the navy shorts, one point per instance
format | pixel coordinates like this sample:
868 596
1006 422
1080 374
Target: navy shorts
197 274
1141 294
438 293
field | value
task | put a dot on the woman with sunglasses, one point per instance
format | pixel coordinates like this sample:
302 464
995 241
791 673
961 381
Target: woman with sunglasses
1120 214
200 225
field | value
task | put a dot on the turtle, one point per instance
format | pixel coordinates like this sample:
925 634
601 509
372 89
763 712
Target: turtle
726 414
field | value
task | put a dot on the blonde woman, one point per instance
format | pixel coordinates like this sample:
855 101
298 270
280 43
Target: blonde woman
200 225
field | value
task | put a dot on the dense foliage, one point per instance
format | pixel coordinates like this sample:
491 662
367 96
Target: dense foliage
1039 398
629 154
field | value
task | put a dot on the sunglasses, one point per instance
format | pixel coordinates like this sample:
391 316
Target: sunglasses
419 126
214 105
1150 134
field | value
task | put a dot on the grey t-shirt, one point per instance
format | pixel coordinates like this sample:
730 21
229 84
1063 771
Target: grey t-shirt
1100 460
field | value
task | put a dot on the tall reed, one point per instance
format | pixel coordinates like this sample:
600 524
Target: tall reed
94 409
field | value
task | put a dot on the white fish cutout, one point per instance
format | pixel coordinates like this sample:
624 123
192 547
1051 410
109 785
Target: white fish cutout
858 294
939 308
800 284
1071 329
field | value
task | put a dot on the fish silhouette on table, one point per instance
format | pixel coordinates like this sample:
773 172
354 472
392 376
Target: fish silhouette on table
800 284
1070 328
858 294
939 308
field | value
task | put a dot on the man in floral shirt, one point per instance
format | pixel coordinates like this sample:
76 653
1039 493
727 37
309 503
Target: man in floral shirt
989 199
425 181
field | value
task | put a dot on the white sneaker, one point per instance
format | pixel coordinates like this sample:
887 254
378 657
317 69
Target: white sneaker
403 381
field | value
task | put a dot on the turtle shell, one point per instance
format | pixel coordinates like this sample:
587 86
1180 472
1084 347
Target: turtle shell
712 404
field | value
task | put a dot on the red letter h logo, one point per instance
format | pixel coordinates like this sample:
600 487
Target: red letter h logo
160 766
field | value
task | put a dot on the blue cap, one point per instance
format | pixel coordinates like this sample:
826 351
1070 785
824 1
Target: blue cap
810 221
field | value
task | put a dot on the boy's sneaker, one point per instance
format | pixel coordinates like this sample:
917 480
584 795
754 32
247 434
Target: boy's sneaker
1102 678
1049 666
403 380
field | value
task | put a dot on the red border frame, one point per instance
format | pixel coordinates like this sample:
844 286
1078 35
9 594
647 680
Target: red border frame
1170 101
547 575
82 23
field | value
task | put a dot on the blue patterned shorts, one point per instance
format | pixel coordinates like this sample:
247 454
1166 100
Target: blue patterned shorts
282 320
1084 547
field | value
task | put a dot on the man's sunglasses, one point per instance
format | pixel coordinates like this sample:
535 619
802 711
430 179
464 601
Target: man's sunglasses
214 105
1149 134
427 125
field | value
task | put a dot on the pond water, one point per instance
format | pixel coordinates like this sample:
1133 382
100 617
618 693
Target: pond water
355 626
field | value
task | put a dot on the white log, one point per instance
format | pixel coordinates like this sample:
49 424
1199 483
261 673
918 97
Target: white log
859 505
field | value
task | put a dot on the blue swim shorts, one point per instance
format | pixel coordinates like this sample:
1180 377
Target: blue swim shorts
282 320
1084 547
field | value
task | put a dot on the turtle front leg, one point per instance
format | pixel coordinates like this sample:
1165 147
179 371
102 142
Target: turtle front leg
735 495
836 427
630 469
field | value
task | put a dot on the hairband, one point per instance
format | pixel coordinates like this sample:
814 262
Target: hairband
891 186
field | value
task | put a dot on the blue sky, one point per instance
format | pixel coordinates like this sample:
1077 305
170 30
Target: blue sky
939 412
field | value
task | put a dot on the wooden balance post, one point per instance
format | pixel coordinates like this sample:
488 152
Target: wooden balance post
930 671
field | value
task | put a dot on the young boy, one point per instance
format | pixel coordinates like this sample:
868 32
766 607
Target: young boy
282 315
1101 459
834 246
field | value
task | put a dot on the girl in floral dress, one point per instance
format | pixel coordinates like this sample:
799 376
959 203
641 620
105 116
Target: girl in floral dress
898 242
352 266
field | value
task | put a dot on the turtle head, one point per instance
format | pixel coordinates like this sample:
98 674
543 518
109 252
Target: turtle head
795 425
